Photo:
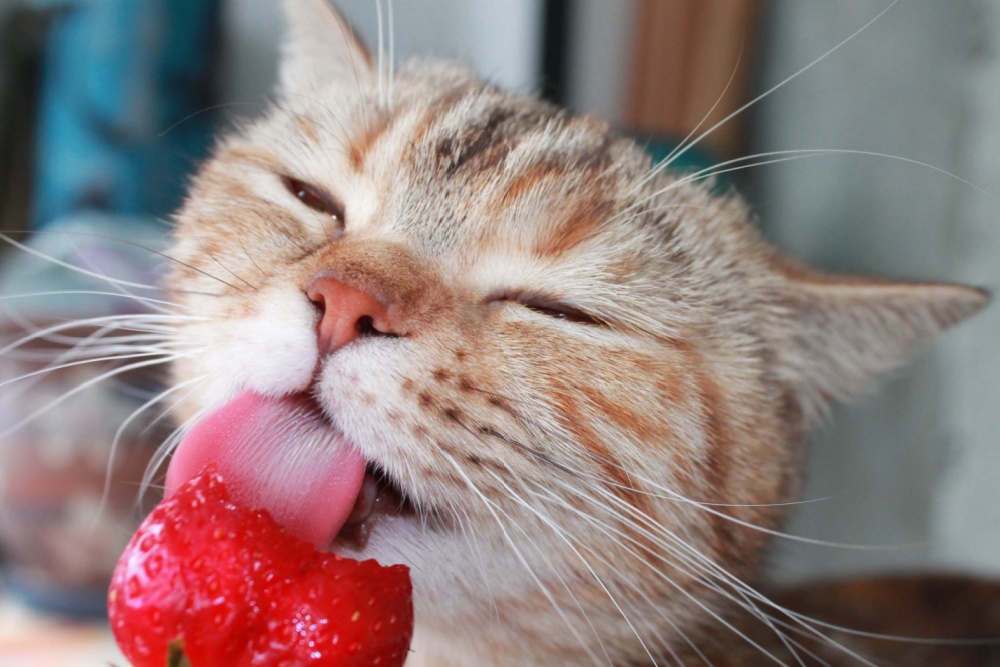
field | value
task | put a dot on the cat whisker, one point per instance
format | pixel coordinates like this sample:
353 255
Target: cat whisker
120 322
552 525
252 261
767 93
683 143
706 565
124 340
101 347
167 411
167 447
81 292
563 536
214 107
493 510
66 265
85 385
90 348
71 364
468 531
664 492
931 641
100 276
624 539
650 530
116 441
710 508
233 273
703 174
204 273
107 340
619 536
777 157
818 152
547 494
113 322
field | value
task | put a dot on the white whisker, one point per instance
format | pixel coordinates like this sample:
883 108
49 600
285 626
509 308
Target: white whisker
164 451
74 268
80 292
621 538
663 165
381 55
645 525
708 114
392 51
562 535
492 508
85 385
120 322
71 364
116 441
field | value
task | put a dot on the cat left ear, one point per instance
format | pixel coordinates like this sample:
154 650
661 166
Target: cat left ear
836 333
321 47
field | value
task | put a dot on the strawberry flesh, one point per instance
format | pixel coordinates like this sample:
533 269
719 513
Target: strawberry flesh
233 588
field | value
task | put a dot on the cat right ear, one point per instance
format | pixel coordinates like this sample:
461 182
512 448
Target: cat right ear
838 332
320 48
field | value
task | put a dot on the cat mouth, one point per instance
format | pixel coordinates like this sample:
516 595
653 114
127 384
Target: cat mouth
284 455
380 496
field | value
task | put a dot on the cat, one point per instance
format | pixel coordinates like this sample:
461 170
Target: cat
578 383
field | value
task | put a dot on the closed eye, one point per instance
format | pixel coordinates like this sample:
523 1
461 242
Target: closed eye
316 198
550 307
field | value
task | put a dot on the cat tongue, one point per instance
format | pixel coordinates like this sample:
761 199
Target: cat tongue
279 454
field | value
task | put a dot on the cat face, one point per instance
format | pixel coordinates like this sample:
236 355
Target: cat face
580 382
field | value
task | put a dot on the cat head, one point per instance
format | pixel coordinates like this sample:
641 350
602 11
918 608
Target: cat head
587 378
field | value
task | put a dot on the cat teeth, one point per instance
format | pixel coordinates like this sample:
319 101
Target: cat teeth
379 496
365 504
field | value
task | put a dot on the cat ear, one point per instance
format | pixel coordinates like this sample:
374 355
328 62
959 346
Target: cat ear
846 330
320 47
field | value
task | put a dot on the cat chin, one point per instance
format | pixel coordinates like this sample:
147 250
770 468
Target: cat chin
439 560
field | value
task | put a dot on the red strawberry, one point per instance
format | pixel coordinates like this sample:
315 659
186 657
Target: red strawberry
233 589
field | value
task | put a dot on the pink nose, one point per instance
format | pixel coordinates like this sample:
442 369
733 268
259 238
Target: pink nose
346 313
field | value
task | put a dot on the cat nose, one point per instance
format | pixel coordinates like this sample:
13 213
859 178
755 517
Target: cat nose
346 313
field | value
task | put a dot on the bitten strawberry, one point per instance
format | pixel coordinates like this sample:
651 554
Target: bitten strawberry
229 587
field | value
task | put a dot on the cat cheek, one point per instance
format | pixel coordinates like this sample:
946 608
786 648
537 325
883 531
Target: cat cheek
272 351
356 386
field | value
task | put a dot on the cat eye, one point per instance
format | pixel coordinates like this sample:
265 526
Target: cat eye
315 198
560 312
552 308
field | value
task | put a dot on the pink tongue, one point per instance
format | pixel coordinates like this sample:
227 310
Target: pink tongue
279 454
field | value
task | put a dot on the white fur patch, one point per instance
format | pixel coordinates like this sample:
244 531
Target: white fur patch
272 352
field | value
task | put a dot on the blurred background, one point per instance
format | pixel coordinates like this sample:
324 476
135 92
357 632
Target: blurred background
107 105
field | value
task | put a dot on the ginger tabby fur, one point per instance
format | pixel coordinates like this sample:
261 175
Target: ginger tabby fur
599 376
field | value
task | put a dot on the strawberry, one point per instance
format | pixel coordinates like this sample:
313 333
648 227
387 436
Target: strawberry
229 587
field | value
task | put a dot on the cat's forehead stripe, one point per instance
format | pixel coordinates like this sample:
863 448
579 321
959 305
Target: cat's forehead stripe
535 153
575 228
308 127
258 157
431 114
369 135
535 165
